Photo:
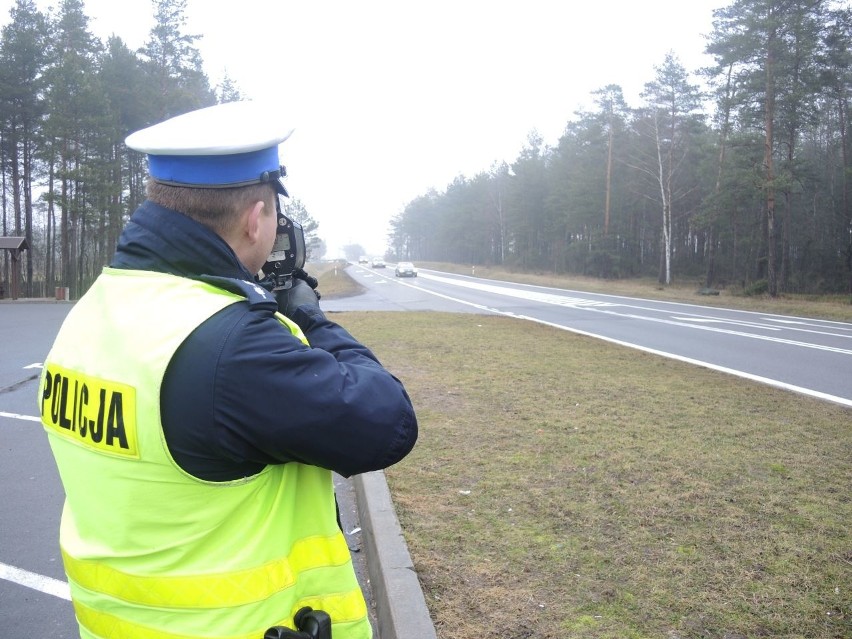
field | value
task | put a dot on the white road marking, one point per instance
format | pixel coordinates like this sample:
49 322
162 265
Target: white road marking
535 296
714 320
723 369
822 323
47 585
730 371
17 416
698 322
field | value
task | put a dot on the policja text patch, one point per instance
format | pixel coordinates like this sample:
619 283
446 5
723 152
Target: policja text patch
97 413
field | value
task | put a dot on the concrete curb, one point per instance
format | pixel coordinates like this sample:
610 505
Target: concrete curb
401 610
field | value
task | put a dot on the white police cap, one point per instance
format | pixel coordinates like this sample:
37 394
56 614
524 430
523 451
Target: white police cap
226 145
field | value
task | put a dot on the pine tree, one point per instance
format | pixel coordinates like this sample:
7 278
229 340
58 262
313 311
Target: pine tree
74 131
771 45
174 63
22 65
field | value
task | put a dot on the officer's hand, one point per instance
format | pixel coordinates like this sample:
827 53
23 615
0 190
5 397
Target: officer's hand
312 281
297 295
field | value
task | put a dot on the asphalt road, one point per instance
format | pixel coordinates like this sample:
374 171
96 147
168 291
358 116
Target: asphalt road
34 598
803 355
807 356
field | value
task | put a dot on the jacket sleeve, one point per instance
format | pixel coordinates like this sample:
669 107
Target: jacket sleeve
275 400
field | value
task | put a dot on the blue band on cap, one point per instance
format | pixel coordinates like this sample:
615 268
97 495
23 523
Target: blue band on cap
214 170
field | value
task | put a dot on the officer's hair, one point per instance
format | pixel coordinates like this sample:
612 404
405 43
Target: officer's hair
216 209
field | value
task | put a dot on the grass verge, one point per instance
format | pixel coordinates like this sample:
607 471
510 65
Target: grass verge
333 280
563 488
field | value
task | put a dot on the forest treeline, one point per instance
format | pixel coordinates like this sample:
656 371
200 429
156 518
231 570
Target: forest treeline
738 178
67 102
745 184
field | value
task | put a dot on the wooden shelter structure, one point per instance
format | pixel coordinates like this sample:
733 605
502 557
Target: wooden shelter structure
15 245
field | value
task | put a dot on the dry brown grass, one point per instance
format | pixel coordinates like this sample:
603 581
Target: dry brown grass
333 281
564 488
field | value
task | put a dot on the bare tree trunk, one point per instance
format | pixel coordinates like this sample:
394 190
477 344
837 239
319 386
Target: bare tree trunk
769 120
3 202
15 265
665 195
115 206
785 268
28 213
65 271
608 179
50 235
64 238
78 237
842 111
723 141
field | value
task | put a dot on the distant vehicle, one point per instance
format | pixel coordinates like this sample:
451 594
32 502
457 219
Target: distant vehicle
378 262
363 260
405 269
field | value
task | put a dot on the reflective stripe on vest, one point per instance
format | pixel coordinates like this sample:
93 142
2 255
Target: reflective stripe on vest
104 625
209 590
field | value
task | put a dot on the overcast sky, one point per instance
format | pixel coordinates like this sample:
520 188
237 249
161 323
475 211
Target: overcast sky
390 98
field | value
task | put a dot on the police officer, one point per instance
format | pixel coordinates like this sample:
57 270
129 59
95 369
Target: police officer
196 419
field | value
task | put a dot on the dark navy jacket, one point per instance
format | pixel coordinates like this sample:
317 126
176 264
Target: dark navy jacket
241 392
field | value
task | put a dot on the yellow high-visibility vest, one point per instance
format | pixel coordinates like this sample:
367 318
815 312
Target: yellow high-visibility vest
150 551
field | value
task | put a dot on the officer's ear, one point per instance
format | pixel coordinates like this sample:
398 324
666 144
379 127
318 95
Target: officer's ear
252 221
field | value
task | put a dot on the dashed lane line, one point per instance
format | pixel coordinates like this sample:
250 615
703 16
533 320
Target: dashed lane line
47 585
28 418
